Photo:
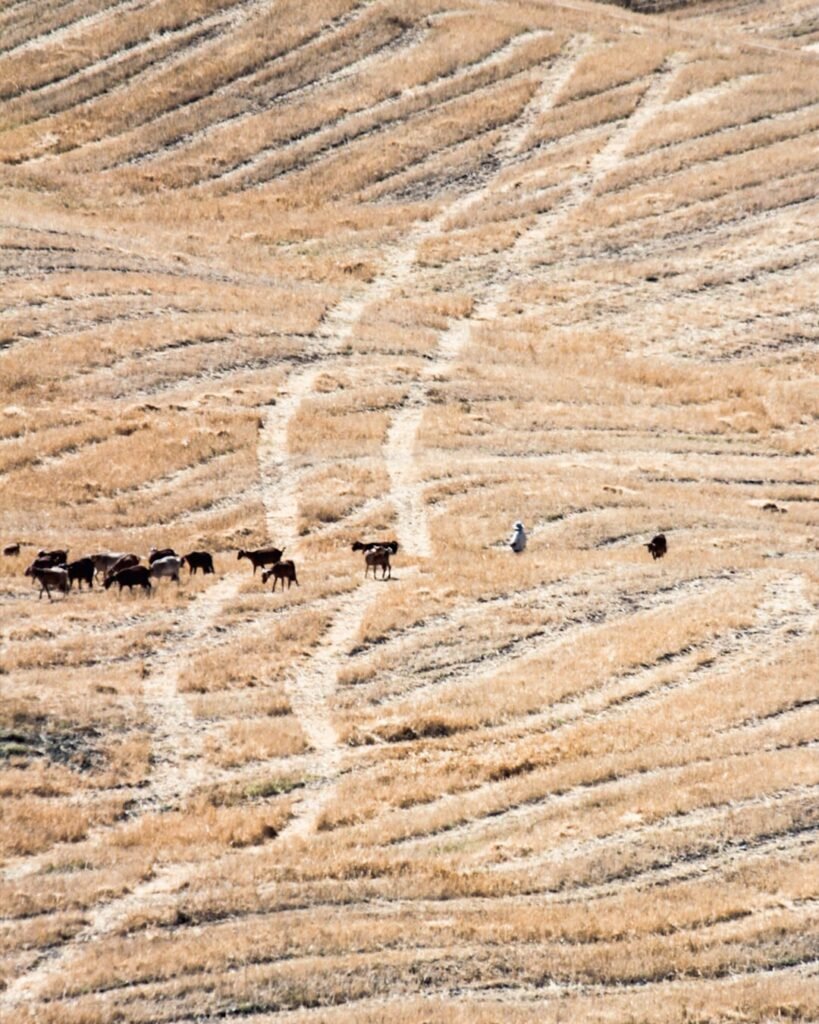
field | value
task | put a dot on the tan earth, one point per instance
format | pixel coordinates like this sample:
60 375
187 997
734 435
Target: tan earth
305 273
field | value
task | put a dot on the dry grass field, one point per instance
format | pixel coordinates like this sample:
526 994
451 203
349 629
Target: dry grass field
302 272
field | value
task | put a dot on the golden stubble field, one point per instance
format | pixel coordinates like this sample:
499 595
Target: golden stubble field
306 272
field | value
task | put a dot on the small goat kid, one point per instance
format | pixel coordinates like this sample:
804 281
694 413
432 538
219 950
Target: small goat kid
378 556
282 571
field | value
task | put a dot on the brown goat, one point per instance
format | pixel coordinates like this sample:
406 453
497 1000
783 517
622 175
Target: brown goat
375 557
368 545
58 557
282 571
156 553
49 577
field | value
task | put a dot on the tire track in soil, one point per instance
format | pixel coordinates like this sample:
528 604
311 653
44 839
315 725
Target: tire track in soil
177 746
399 450
413 526
178 771
311 689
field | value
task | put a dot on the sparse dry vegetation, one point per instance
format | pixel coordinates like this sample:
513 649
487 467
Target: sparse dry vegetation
306 273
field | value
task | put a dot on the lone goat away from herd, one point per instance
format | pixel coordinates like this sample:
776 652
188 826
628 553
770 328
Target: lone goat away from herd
657 546
369 545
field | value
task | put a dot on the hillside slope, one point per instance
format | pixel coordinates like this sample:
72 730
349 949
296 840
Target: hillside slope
307 272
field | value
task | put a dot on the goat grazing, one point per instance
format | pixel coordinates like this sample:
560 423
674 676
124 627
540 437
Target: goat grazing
11 550
282 571
378 556
134 576
262 557
123 562
657 546
198 560
104 561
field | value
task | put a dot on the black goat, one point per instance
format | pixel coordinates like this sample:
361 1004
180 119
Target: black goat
198 560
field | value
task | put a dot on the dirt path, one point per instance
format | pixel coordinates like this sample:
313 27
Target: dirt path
310 693
401 443
279 477
177 748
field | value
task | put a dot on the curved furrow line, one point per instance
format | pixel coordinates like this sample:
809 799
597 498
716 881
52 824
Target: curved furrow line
532 648
798 844
522 813
686 167
59 33
201 32
755 120
640 223
327 138
195 105
669 244
694 826
544 595
507 998
462 950
132 60
326 79
782 619
647 836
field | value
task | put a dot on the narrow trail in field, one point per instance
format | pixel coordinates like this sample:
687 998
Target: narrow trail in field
178 771
311 688
279 477
104 919
176 752
400 447
310 693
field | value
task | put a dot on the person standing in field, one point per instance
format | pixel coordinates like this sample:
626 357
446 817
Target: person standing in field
517 542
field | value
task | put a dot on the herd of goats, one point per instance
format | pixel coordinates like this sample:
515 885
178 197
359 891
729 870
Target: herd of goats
53 571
